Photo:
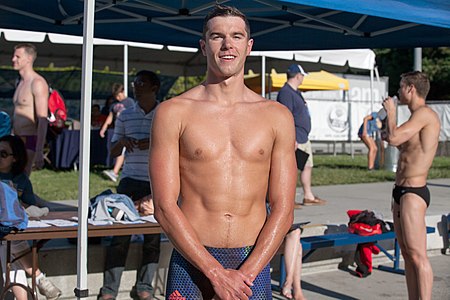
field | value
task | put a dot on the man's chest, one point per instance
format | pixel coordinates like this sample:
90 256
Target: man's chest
412 146
212 139
23 96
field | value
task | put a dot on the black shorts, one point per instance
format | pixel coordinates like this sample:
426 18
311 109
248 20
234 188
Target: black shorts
422 192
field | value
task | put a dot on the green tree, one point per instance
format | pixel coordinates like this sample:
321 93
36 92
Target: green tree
435 62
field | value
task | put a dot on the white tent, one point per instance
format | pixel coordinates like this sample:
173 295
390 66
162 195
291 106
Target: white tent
63 50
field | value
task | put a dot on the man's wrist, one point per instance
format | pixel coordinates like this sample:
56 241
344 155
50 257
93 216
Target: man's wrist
214 275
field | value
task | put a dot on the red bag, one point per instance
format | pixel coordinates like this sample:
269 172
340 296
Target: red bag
57 110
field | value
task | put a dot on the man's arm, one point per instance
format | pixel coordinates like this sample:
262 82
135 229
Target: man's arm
120 140
165 180
399 135
39 89
282 185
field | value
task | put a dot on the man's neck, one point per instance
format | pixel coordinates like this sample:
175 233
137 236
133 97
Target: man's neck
416 103
147 106
26 73
230 90
293 84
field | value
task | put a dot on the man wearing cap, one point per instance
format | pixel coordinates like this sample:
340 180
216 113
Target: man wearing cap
290 96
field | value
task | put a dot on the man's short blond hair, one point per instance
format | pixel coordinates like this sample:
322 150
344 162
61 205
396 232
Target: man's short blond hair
419 80
30 49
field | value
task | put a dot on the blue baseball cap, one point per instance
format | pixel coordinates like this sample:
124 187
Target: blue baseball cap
294 69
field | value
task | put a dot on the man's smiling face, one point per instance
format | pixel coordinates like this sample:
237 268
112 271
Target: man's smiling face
226 46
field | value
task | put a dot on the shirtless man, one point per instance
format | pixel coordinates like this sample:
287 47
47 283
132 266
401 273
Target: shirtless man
30 105
218 150
417 140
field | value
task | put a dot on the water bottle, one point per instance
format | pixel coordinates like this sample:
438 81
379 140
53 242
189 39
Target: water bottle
382 112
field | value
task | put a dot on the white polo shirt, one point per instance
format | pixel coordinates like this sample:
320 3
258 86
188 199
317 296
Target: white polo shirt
134 123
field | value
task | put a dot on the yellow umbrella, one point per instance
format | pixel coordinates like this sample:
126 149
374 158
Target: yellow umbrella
314 81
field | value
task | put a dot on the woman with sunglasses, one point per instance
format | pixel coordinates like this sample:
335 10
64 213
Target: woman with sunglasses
13 159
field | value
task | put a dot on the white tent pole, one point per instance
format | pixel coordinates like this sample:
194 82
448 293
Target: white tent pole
81 290
377 75
263 75
371 90
418 59
125 69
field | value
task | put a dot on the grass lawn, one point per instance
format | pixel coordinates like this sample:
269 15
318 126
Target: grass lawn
328 170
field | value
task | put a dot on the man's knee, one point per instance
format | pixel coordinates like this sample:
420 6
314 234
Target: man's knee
414 256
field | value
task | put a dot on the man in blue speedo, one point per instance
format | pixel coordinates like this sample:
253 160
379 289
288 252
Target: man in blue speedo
217 151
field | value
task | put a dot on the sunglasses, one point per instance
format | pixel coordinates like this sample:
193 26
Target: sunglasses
137 83
5 154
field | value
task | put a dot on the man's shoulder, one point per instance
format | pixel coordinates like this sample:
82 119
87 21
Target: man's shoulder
196 93
182 101
426 112
277 109
38 79
286 92
284 89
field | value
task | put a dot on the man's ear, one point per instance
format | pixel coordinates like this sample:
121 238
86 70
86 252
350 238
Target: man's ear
249 46
202 46
29 57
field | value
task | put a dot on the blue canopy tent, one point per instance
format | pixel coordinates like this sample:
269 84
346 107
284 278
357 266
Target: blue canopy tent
276 25
296 24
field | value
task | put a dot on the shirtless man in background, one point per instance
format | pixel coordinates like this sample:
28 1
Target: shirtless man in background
417 139
30 105
217 151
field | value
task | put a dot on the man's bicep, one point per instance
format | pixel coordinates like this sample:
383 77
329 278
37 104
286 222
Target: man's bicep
283 173
40 93
164 158
407 130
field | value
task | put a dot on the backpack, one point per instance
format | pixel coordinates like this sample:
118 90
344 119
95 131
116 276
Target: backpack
5 124
57 112
12 214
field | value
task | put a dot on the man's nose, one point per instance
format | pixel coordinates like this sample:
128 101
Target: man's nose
227 43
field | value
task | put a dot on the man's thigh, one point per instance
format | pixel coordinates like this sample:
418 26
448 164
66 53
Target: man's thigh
409 222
